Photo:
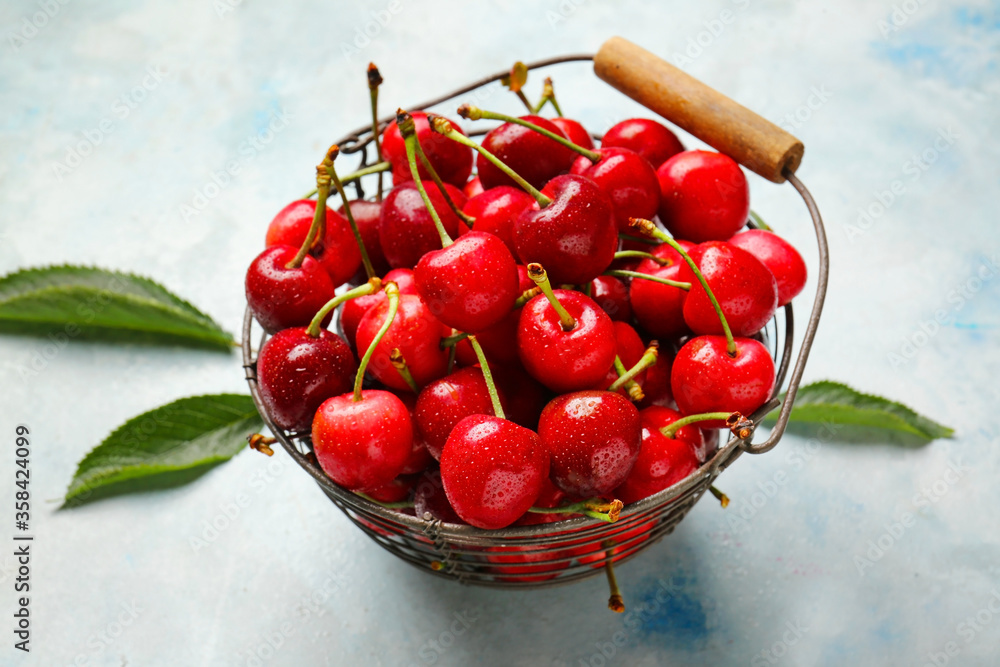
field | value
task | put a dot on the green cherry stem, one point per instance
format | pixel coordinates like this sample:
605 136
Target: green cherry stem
452 341
374 81
529 294
596 508
392 292
671 430
650 229
548 95
377 168
622 273
318 227
404 122
632 387
365 259
488 376
723 498
468 220
759 221
371 287
538 275
443 126
648 359
638 239
622 254
399 363
475 113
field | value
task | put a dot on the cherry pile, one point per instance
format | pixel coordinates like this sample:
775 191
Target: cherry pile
530 327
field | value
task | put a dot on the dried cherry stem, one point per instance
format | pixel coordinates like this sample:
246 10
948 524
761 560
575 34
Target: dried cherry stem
377 168
548 95
529 294
648 359
671 430
406 127
261 443
632 387
723 498
401 505
616 602
365 259
399 363
374 81
371 287
392 293
622 254
514 80
537 274
452 341
318 227
475 113
488 376
622 273
467 219
443 126
648 228
595 508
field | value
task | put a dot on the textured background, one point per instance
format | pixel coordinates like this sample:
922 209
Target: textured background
868 86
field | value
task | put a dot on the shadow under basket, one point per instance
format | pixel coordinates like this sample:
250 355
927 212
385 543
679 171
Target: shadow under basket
565 551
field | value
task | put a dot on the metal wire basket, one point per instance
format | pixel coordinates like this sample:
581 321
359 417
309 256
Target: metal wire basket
565 551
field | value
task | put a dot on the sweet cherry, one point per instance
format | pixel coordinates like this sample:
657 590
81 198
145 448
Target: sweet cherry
663 461
447 401
611 295
406 229
281 297
415 332
574 131
779 257
495 211
627 179
704 196
646 137
452 161
535 157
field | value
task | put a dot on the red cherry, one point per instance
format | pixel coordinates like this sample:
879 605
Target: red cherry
495 211
521 559
704 378
551 496
445 402
566 360
663 461
281 297
352 311
779 256
395 491
367 215
625 544
338 253
499 342
627 179
574 131
630 348
659 308
296 373
611 295
744 287
704 196
291 225
406 229
536 158
430 499
593 438
362 444
451 160
656 383
473 187
574 237
419 458
493 470
417 334
470 285
646 137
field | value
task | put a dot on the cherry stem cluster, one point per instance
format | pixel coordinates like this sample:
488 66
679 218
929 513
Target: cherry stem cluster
647 360
488 377
475 113
468 220
650 229
548 95
443 126
373 285
392 293
406 127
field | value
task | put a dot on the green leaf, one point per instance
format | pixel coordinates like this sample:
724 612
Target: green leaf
180 436
833 402
95 304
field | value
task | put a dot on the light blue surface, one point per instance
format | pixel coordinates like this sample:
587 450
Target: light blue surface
885 82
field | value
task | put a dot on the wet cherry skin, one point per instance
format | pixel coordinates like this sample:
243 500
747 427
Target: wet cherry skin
280 297
533 156
646 137
451 160
704 196
779 256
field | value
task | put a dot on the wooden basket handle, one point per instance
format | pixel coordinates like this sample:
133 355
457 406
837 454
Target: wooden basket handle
729 127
